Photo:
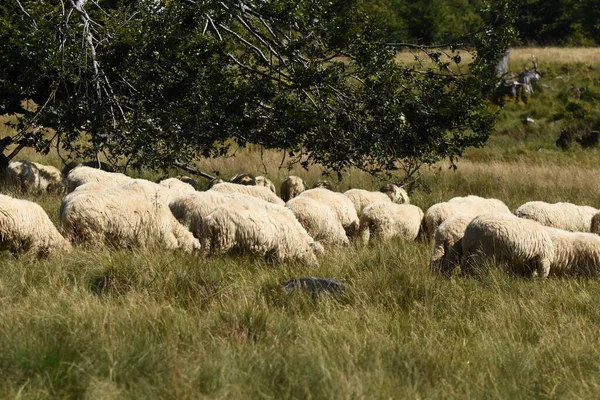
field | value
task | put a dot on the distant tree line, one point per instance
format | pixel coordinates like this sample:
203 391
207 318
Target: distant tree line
539 22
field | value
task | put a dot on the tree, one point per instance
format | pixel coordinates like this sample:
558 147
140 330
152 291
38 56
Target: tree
158 83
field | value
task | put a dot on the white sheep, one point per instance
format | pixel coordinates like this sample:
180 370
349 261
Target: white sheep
342 205
26 228
523 243
319 219
259 192
566 216
82 175
362 198
190 209
291 187
32 177
268 230
121 218
386 220
397 194
178 184
438 213
447 250
575 253
264 181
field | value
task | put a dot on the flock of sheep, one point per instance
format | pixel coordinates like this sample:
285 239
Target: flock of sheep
108 209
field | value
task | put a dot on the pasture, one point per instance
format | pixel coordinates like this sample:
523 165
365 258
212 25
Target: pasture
156 324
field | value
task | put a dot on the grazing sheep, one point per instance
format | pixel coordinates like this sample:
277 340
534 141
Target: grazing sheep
575 253
291 187
93 164
523 243
32 177
81 175
322 184
362 198
259 192
438 213
244 179
177 184
26 228
190 209
447 250
566 216
181 178
213 182
386 220
264 181
320 220
265 229
122 219
395 193
342 205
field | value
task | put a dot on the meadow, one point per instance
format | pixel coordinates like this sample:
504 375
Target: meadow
155 324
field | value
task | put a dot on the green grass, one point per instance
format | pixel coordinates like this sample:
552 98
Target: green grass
156 324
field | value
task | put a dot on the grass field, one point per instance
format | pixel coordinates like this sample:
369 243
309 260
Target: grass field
155 324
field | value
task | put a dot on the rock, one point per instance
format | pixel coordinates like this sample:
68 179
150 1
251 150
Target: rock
314 285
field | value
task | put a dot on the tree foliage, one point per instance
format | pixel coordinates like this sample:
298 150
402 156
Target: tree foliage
158 83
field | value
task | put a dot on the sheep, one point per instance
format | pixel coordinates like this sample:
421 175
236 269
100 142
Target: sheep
32 177
265 229
566 216
26 229
342 205
438 213
122 219
264 181
322 184
385 220
244 179
168 181
177 184
395 193
93 164
291 187
523 243
190 209
362 198
575 253
320 220
81 175
260 192
447 250
213 182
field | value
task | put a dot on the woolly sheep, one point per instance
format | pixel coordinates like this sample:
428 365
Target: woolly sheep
438 213
122 219
575 253
264 181
523 243
244 179
26 228
291 187
386 220
341 204
190 209
259 192
81 175
177 184
320 220
265 229
447 250
177 181
362 198
395 193
93 164
213 182
566 216
32 177
322 184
